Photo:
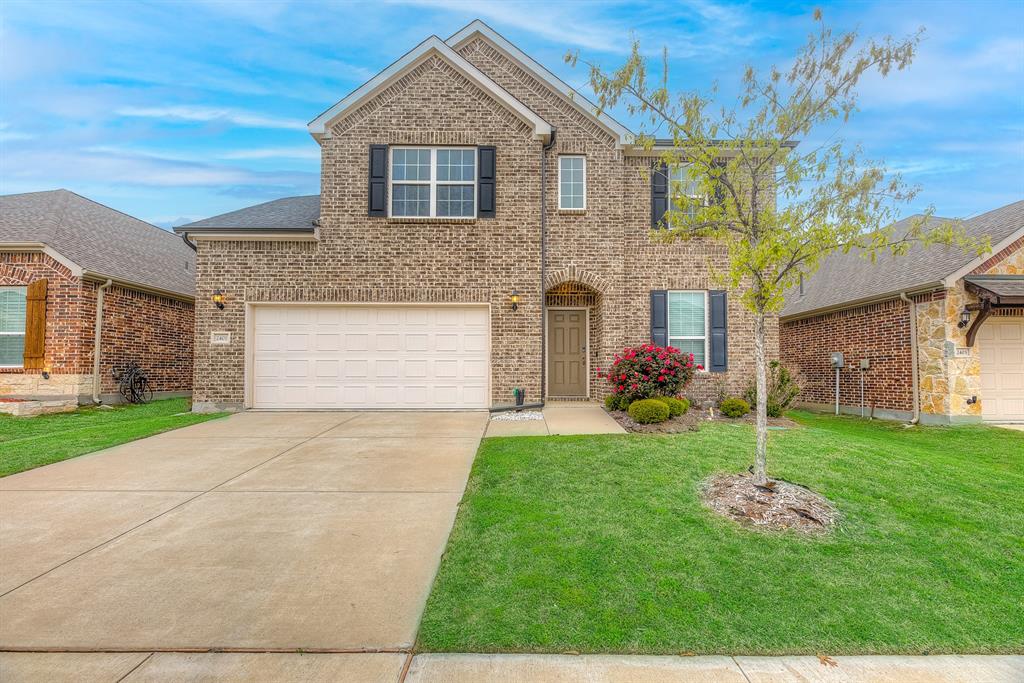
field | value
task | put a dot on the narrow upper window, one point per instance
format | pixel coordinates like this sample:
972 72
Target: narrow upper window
572 182
12 326
688 324
682 186
431 182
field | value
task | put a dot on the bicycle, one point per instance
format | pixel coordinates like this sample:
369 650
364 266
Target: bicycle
133 384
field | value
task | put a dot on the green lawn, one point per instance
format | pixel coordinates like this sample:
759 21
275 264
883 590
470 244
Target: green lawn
27 442
600 544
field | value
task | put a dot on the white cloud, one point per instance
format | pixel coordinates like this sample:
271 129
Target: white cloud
211 114
7 134
304 152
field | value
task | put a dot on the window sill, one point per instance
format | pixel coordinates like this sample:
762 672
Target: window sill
428 219
572 212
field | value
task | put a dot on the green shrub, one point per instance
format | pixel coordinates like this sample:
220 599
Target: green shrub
676 407
782 389
648 411
611 402
686 405
734 407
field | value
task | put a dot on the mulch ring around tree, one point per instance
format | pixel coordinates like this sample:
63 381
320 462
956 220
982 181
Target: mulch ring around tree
777 506
691 422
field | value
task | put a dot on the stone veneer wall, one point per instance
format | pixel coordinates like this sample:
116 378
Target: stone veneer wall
362 259
155 331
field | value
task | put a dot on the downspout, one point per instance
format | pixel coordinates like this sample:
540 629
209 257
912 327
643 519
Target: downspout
912 307
98 330
545 148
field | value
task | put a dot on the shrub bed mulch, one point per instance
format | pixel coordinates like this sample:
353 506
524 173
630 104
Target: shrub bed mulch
779 505
691 421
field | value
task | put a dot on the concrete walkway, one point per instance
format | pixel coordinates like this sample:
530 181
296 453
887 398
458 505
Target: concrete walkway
260 531
559 417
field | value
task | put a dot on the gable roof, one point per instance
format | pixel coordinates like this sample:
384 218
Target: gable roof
101 241
846 280
430 47
297 214
479 28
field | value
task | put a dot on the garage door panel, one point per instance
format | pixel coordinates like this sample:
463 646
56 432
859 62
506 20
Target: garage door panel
1001 350
370 357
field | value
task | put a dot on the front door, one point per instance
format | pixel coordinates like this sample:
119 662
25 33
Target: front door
567 352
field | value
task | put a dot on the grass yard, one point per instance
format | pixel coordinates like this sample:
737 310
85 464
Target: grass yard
600 544
28 442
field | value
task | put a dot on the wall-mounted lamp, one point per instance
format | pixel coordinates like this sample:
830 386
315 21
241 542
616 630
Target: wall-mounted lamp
46 373
515 300
218 298
965 319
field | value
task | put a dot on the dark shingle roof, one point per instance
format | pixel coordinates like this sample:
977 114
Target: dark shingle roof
1000 285
289 213
849 278
99 239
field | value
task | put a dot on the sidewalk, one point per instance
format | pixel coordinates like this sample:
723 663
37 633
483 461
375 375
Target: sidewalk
434 668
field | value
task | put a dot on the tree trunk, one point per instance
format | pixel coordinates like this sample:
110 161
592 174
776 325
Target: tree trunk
761 374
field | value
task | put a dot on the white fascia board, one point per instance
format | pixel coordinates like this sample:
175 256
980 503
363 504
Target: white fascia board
76 270
431 46
624 135
951 279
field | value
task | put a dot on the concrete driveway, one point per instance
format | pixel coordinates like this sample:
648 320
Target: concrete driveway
261 532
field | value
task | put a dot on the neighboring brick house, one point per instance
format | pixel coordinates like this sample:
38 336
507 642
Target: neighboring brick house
57 249
966 313
480 228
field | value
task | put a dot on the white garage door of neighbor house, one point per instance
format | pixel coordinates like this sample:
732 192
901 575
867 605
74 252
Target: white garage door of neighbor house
375 357
1001 347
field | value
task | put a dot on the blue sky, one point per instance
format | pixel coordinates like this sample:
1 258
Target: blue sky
177 111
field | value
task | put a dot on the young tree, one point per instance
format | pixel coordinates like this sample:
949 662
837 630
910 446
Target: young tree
740 159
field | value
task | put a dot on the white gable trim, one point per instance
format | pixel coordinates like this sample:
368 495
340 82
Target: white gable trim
76 270
624 135
431 46
951 279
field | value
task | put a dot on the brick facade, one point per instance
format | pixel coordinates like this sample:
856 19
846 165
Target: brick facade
155 331
879 333
361 259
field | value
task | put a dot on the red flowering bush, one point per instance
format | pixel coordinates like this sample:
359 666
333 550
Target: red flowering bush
648 370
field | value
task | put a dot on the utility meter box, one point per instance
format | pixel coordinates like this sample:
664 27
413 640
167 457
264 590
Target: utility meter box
837 359
865 364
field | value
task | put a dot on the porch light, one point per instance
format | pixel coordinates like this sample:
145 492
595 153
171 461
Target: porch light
218 298
515 300
965 319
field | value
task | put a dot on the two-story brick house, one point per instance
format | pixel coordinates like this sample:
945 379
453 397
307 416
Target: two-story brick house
480 228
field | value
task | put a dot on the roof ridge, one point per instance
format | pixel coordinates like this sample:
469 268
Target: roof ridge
126 215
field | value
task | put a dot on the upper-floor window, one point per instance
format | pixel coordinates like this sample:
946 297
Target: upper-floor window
12 326
682 186
433 182
572 182
688 323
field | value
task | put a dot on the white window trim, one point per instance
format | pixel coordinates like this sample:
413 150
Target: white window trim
572 208
707 323
433 182
701 199
16 334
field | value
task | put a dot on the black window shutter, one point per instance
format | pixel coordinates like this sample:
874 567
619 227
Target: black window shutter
485 182
719 332
659 194
719 197
659 317
378 204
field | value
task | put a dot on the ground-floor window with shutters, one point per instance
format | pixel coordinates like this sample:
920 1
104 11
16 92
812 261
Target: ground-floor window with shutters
688 323
12 326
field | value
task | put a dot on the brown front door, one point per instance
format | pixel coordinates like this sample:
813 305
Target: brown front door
567 352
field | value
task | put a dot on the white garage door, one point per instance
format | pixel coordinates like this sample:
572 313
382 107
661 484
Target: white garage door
325 356
1001 347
